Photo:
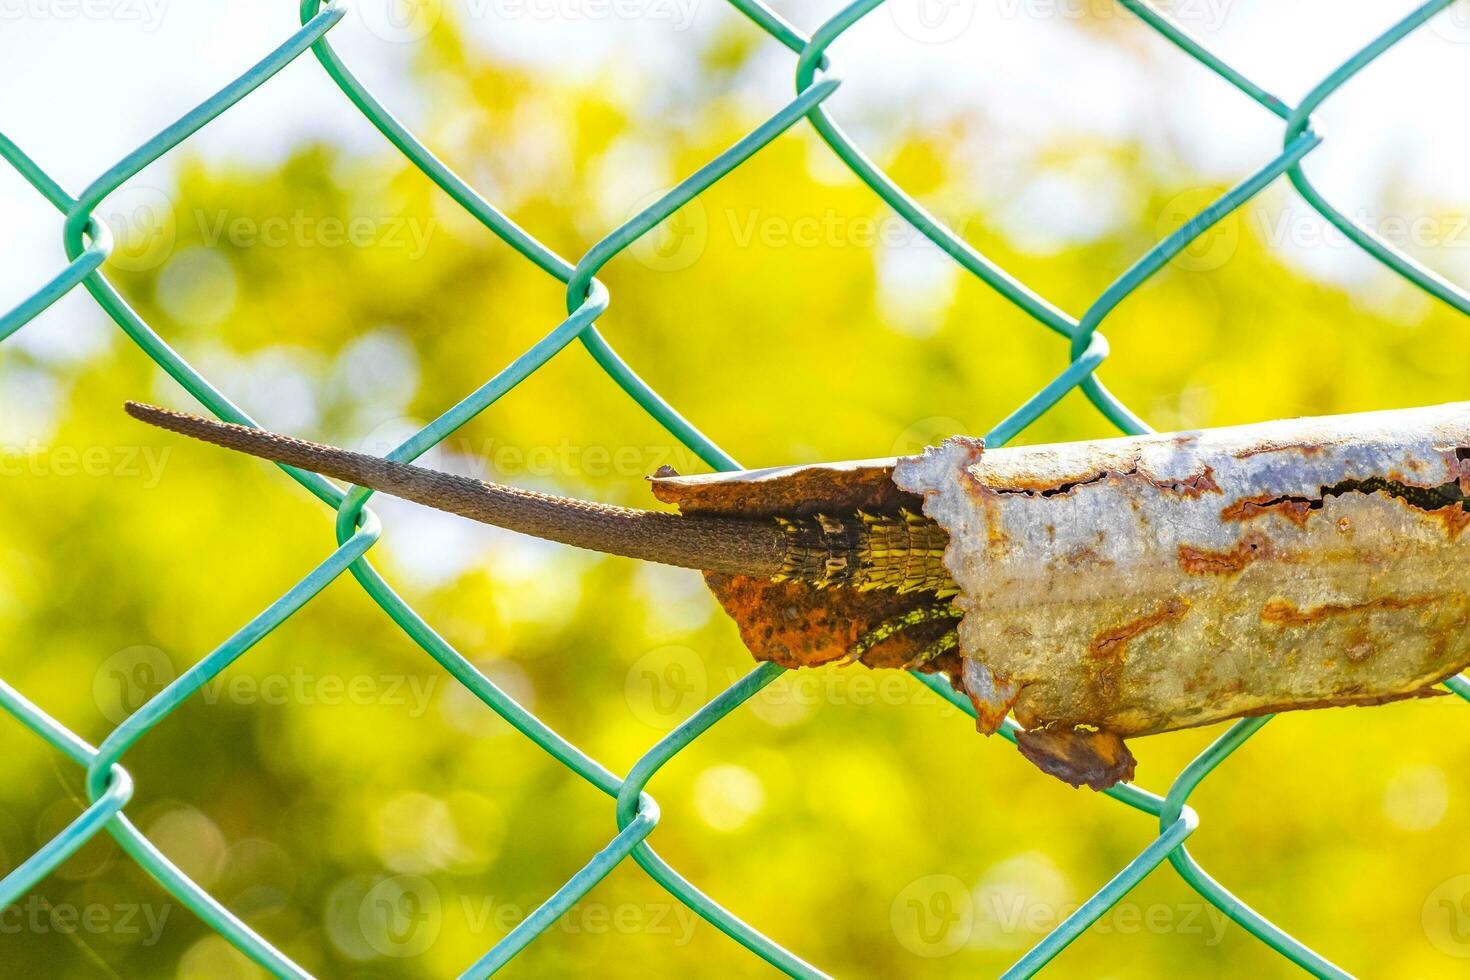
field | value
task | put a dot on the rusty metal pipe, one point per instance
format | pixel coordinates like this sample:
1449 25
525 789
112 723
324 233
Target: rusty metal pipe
1131 586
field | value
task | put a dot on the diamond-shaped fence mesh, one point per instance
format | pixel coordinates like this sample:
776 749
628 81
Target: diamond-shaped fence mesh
88 245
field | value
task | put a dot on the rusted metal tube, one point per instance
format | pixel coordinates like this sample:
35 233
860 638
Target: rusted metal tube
1140 585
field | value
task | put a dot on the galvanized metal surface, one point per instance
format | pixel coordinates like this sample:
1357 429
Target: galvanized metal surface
1145 584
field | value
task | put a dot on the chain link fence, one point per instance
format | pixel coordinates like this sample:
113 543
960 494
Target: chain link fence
88 245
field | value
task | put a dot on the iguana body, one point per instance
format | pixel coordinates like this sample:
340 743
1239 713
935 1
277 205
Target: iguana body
1092 591
900 551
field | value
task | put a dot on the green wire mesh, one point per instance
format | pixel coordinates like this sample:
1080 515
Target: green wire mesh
88 244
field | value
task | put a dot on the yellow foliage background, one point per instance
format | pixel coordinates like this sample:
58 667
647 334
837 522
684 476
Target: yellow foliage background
818 812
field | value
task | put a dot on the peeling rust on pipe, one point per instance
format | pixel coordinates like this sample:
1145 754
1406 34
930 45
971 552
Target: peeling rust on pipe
1249 508
1197 561
1280 612
1111 644
1131 586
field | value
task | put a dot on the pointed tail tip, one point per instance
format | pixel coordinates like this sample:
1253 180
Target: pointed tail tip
180 422
141 411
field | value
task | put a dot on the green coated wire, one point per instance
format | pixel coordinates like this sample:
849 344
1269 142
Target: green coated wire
1297 122
88 243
